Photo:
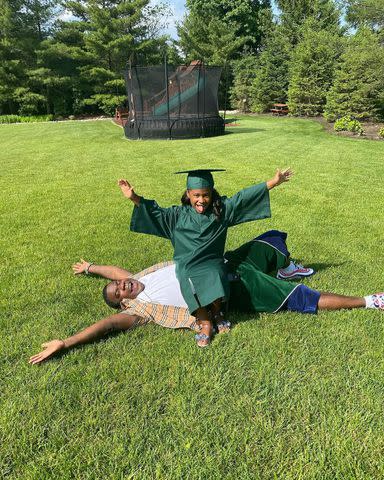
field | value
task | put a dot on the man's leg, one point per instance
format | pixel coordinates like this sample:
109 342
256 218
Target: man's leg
332 301
307 300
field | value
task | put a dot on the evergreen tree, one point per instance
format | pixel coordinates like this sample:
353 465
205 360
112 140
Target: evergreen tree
244 70
358 89
23 25
272 75
366 12
80 67
113 31
57 77
213 41
218 30
295 13
312 70
273 72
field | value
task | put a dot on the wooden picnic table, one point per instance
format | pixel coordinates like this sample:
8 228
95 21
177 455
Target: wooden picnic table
279 109
121 115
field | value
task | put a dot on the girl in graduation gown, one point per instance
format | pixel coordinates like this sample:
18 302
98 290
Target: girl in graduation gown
198 230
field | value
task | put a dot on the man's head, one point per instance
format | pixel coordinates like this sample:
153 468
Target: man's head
117 290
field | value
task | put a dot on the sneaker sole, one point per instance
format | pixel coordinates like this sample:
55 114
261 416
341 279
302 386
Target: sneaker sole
292 277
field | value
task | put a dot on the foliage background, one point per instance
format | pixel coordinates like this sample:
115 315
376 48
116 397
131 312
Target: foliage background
68 57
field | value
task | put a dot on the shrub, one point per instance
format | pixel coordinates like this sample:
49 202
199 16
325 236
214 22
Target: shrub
25 119
9 118
381 132
341 124
348 124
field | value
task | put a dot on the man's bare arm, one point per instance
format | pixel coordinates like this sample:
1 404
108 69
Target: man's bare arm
113 323
106 271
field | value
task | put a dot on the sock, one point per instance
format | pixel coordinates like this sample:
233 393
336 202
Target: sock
371 301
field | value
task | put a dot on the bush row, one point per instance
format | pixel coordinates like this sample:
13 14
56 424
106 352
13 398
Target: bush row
25 119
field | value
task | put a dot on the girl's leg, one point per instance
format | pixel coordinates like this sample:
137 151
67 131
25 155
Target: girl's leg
217 309
203 316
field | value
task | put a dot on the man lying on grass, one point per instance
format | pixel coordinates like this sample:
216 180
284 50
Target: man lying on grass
153 295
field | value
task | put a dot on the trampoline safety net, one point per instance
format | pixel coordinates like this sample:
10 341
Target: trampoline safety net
173 102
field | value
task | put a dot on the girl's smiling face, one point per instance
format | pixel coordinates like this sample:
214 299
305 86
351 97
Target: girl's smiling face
200 198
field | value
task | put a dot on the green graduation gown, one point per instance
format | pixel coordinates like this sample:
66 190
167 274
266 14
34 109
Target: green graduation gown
199 239
256 291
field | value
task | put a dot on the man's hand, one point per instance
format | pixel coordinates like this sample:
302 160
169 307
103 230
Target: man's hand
80 267
50 348
126 188
280 177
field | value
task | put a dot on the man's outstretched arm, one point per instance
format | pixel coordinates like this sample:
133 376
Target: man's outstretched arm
116 322
106 271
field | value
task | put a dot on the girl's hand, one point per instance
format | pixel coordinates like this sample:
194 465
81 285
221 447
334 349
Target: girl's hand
80 267
126 188
128 191
280 177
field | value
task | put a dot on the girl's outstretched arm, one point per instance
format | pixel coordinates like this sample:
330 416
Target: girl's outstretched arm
280 177
128 191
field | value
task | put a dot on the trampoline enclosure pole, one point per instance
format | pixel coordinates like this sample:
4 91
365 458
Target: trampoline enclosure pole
204 78
167 94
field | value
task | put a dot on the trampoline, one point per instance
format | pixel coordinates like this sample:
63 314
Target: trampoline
173 102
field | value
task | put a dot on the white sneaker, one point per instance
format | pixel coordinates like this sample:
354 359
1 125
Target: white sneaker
294 270
375 301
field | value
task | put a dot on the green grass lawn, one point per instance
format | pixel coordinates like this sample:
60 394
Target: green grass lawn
284 396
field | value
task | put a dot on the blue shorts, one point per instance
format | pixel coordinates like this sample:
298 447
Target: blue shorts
303 299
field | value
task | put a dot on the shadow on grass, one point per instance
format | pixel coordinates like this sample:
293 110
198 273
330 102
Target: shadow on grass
318 267
243 130
236 316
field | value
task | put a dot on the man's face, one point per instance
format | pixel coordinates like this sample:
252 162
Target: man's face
200 198
118 290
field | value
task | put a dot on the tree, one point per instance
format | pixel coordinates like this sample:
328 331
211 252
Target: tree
218 30
312 70
113 31
11 69
358 89
23 25
213 41
295 13
366 12
59 60
244 70
272 75
80 67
